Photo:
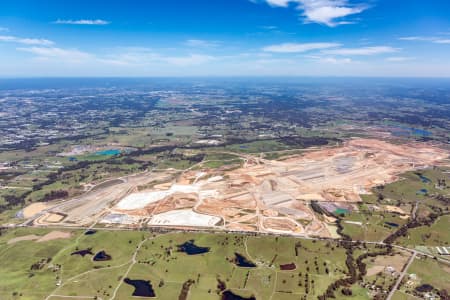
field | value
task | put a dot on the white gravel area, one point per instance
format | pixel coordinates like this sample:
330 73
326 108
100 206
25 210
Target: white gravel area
184 217
141 200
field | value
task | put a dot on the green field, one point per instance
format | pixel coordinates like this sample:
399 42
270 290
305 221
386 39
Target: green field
435 235
373 228
317 265
425 271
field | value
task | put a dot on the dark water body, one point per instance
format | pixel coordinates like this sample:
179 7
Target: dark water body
191 249
424 288
90 232
142 288
408 131
102 256
229 295
423 178
241 261
391 224
422 192
83 253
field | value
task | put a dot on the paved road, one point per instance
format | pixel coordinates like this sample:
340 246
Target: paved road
400 278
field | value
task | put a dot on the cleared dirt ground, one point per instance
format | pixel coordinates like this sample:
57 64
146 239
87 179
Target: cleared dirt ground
262 195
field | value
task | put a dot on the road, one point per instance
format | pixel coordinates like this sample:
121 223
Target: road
133 262
400 278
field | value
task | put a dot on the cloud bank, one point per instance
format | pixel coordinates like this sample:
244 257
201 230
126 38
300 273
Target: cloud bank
325 12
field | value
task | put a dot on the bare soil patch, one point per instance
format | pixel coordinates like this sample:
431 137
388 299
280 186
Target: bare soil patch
55 235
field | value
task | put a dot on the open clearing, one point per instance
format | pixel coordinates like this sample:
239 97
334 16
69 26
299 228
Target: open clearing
33 209
185 217
159 261
55 235
261 195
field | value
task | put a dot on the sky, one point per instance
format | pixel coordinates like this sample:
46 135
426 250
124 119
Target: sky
375 38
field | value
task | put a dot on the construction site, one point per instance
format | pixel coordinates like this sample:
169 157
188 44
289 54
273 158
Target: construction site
262 195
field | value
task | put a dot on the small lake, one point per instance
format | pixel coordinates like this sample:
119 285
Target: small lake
423 178
422 192
410 131
229 295
83 253
391 224
110 152
425 288
242 261
191 249
142 288
341 211
102 256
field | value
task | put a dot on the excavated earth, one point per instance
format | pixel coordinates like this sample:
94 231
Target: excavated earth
262 195
274 196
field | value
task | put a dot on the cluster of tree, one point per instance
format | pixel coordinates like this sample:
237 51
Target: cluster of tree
356 269
40 264
53 195
305 142
443 199
403 230
442 183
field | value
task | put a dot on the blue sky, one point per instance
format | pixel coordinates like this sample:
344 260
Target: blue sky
225 38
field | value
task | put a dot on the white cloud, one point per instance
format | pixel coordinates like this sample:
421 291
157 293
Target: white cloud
70 55
414 38
146 56
400 58
326 12
436 40
298 47
282 3
269 27
330 59
25 41
201 43
442 41
334 60
189 60
82 22
362 51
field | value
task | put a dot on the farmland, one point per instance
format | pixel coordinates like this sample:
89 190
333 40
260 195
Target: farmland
156 258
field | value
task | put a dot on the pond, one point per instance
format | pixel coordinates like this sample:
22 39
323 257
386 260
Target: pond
391 224
423 178
191 249
425 288
422 192
229 295
341 211
142 288
83 253
101 256
110 152
410 131
241 261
